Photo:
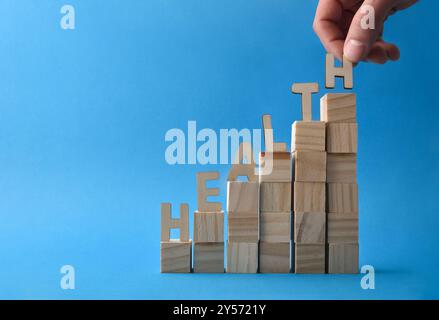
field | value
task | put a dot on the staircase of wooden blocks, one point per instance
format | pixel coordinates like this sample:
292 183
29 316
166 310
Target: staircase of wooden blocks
339 113
303 201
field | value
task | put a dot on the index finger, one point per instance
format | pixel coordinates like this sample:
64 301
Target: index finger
327 26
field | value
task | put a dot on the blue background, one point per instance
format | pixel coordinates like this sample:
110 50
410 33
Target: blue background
83 116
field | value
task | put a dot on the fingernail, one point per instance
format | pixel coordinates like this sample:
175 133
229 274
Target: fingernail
354 50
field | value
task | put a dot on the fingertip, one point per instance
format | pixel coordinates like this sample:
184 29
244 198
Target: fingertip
377 55
393 53
355 50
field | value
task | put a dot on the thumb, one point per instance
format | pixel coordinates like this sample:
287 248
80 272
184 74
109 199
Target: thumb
366 28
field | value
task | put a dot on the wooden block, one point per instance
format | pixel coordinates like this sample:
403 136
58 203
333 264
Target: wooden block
209 257
168 223
208 226
342 197
275 197
175 256
280 165
309 197
243 197
309 166
306 90
343 258
342 228
341 138
243 228
203 192
345 72
309 227
310 258
341 168
242 257
275 226
308 136
338 107
274 257
270 145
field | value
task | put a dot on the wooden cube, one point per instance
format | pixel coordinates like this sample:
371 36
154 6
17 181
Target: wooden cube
243 228
338 107
308 136
243 197
209 257
310 258
342 168
175 256
242 257
342 228
342 197
343 258
309 227
281 167
274 257
208 226
341 138
309 197
275 197
275 226
309 166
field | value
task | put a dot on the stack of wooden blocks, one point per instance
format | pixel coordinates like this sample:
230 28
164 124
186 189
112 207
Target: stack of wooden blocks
175 254
339 113
316 180
309 163
243 214
208 228
275 205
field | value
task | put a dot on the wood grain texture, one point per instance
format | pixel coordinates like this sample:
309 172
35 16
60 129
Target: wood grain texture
274 257
341 168
242 257
309 197
306 90
309 136
310 258
342 228
243 228
309 166
203 192
208 226
275 197
275 226
243 198
343 258
309 227
209 257
168 223
280 165
345 72
175 256
342 138
342 197
338 107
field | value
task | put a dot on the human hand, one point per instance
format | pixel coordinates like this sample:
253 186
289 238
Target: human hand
338 24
